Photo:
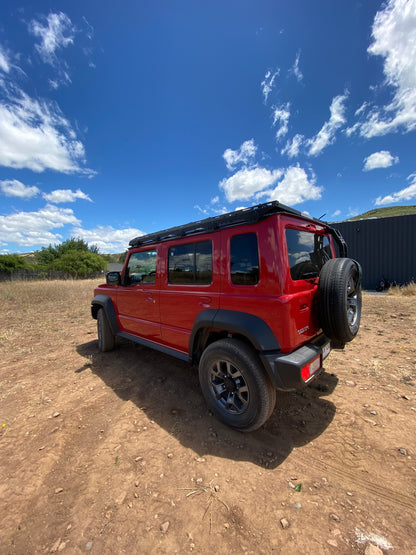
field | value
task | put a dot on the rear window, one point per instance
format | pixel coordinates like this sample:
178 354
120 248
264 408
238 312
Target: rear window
190 263
307 252
244 259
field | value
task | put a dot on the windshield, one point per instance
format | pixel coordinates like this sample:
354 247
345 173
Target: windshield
307 252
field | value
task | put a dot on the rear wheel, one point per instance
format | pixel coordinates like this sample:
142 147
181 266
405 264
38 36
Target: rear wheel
106 338
235 385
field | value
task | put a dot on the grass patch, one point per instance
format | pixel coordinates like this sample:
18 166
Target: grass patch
37 314
408 290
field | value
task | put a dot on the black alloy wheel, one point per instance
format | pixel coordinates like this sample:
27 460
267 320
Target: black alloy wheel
235 385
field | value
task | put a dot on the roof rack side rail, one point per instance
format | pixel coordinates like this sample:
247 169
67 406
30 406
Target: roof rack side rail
250 215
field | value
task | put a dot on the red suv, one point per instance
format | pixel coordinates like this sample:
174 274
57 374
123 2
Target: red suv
255 298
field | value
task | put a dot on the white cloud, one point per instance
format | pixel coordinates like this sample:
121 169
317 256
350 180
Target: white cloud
35 135
65 195
55 32
244 184
28 229
336 213
34 229
268 83
4 61
108 239
326 135
295 187
381 159
15 188
406 194
255 183
394 38
244 155
200 209
281 115
361 109
296 70
352 212
292 147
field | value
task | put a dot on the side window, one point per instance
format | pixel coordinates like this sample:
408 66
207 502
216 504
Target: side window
141 268
307 252
190 263
244 259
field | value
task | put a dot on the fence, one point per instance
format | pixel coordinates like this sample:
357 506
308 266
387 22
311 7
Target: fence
31 275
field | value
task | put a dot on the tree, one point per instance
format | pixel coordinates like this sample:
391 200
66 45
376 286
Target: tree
11 262
48 255
73 256
79 263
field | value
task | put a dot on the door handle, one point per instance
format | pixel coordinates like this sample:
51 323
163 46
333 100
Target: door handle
205 301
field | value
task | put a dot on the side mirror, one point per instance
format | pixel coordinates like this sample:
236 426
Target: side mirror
113 278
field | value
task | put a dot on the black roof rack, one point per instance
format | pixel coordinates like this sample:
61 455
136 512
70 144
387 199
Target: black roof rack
231 219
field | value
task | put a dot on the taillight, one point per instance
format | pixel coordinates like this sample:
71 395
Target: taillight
309 369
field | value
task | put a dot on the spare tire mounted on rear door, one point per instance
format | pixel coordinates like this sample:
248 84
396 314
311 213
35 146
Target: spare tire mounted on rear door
340 299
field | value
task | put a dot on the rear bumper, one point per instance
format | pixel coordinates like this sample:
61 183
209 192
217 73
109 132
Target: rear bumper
285 370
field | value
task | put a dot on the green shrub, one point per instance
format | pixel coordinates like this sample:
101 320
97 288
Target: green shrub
11 262
79 263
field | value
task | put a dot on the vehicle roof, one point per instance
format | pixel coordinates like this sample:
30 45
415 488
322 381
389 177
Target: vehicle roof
250 215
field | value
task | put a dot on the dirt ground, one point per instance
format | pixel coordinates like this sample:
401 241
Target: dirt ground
117 453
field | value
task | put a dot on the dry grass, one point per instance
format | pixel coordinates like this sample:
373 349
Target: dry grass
44 293
35 312
408 290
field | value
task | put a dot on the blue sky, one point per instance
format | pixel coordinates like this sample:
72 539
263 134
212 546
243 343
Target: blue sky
124 118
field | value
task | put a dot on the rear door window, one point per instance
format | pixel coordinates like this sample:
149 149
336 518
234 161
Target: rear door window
190 263
307 252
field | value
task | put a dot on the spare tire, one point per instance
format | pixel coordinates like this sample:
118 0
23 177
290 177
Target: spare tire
340 299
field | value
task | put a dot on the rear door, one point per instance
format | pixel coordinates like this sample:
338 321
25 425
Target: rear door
308 247
191 283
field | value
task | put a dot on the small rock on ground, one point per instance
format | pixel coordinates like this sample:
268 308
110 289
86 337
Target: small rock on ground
284 523
164 527
372 549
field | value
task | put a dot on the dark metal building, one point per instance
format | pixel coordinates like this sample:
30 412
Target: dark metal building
385 248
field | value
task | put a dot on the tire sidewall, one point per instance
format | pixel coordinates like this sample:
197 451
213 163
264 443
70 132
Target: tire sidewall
106 338
334 280
241 357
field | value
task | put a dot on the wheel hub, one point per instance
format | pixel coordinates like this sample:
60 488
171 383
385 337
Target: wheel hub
229 384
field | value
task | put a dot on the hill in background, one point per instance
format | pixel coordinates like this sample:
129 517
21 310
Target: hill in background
386 212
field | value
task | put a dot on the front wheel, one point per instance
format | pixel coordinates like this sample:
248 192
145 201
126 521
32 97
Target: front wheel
235 385
106 338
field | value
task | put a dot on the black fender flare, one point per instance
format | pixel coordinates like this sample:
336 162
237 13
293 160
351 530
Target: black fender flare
104 302
249 326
